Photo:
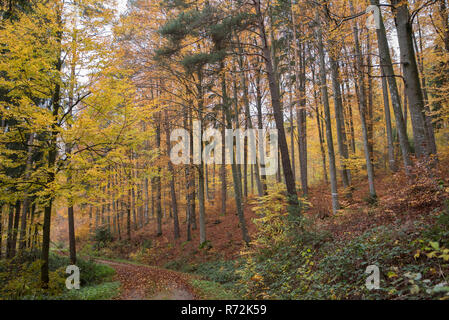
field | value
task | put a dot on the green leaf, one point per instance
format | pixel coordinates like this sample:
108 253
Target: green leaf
435 245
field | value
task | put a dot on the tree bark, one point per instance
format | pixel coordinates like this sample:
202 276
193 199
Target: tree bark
427 114
363 108
263 178
339 119
319 127
293 208
411 78
192 177
52 154
1 228
301 110
235 176
223 166
10 231
26 200
388 71
200 167
391 159
325 97
157 178
174 203
188 184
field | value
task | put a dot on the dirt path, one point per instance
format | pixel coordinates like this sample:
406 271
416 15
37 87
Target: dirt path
149 283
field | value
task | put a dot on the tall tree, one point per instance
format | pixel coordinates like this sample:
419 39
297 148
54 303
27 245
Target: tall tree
325 97
294 208
413 88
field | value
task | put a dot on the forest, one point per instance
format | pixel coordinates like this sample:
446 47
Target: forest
224 150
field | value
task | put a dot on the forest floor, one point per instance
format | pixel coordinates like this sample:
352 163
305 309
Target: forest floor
223 231
140 282
224 234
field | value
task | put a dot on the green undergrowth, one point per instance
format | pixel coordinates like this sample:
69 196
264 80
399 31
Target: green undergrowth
302 263
288 261
20 279
104 291
210 290
216 279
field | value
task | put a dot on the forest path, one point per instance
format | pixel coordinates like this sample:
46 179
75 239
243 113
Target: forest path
140 282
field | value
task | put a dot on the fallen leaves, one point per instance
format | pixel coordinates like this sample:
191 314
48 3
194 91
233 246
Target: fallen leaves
147 283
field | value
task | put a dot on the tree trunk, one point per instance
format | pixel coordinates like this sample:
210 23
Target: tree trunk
188 183
174 203
133 191
237 126
325 97
10 231
339 119
223 166
49 198
17 216
369 113
30 226
388 71
301 111
411 78
128 215
263 178
294 208
72 235
363 108
348 109
157 178
71 218
319 127
200 166
26 200
235 176
391 159
292 133
427 115
1 228
249 125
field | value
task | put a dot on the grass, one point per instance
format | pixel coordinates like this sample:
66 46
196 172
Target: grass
209 290
19 279
104 291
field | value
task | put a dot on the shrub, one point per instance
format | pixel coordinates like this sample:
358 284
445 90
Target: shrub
105 291
278 255
102 236
90 272
93 273
180 264
22 281
308 264
212 290
440 230
223 272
